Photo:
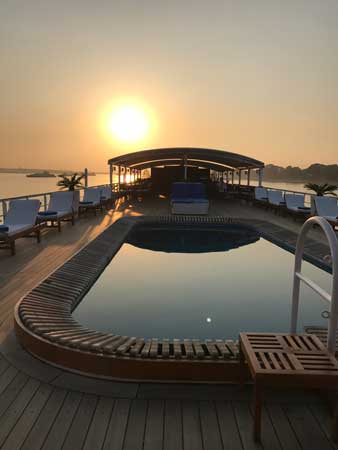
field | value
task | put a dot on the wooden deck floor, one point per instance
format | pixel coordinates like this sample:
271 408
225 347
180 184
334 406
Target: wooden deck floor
37 415
43 407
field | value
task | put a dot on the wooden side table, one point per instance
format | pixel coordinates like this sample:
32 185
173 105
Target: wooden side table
286 360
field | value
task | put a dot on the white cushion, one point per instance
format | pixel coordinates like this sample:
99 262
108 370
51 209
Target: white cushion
106 192
326 206
190 208
92 195
294 201
58 215
14 229
260 193
331 218
22 212
61 201
275 197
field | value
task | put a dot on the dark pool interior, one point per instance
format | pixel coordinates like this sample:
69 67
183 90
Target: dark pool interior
201 283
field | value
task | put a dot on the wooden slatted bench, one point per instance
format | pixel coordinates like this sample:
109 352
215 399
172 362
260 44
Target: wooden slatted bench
286 360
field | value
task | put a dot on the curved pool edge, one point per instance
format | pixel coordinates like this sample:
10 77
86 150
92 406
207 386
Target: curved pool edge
45 314
130 369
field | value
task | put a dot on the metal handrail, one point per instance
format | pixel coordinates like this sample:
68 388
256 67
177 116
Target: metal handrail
298 277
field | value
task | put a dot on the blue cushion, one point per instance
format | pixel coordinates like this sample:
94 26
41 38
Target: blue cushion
3 229
189 200
188 190
48 213
86 203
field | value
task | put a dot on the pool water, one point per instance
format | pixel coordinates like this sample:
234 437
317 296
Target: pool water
199 283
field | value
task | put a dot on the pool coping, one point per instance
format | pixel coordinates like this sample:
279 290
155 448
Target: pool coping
45 326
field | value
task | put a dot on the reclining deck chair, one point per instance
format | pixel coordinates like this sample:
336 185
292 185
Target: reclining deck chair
60 209
20 221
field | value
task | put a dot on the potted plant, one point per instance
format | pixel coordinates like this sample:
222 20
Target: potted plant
320 190
72 183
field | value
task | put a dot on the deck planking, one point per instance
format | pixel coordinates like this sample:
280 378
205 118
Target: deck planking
53 409
41 416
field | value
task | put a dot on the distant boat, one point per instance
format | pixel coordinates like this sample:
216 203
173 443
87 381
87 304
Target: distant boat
44 174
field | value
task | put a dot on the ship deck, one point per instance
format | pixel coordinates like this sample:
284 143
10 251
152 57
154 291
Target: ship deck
45 407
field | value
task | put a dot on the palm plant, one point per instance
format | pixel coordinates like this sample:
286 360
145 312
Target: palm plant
71 182
322 189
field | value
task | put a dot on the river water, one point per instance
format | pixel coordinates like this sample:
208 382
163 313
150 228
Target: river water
17 184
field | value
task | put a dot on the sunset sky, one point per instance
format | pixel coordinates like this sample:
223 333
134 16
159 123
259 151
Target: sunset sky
253 77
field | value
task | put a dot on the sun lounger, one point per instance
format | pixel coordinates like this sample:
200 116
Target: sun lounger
276 198
189 198
91 200
261 196
295 204
20 221
60 209
107 196
327 207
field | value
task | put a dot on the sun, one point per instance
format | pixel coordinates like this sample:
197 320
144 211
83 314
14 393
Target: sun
129 123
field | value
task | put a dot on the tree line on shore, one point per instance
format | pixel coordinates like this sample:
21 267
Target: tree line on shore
314 173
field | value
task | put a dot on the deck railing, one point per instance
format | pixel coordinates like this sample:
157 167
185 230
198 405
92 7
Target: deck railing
307 195
44 198
243 188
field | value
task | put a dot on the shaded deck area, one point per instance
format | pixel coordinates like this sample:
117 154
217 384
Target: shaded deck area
44 407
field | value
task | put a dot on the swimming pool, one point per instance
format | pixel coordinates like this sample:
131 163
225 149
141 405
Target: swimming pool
200 283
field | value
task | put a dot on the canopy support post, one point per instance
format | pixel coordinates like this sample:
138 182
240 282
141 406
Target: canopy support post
85 173
111 175
260 177
185 168
249 173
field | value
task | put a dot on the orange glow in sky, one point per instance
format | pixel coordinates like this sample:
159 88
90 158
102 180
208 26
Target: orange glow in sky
82 83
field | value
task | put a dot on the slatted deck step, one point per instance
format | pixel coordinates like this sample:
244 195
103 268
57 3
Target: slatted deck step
321 333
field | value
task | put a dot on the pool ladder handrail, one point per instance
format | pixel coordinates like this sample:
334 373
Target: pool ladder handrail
298 277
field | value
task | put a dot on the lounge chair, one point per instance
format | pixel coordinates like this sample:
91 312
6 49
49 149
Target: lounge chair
276 198
189 198
60 209
327 207
295 204
20 221
107 196
91 200
261 196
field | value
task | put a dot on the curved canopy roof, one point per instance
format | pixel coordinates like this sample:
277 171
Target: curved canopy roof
201 157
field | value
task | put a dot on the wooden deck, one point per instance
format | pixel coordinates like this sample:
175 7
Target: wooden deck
70 413
43 407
